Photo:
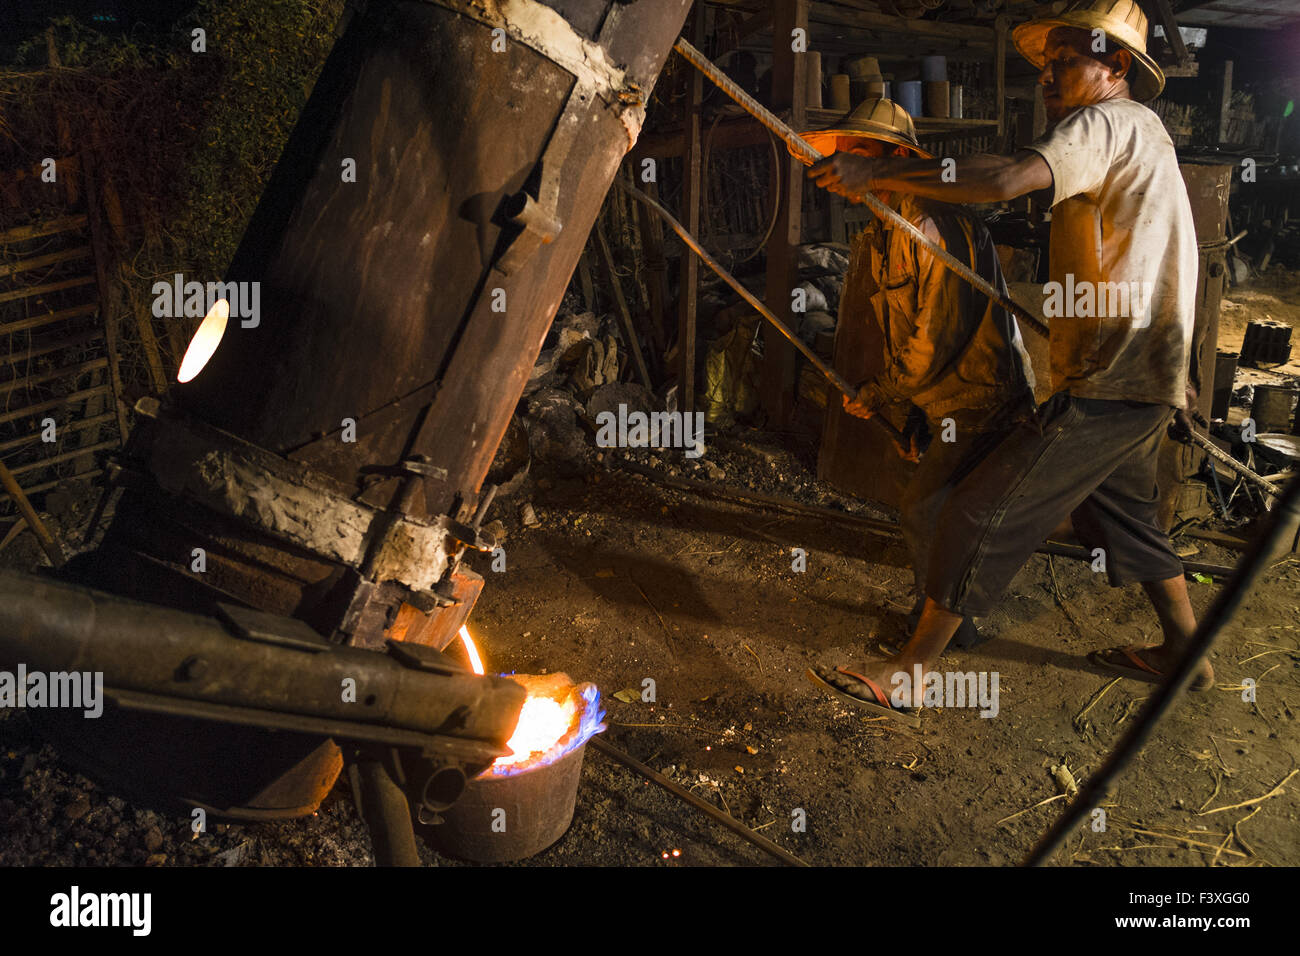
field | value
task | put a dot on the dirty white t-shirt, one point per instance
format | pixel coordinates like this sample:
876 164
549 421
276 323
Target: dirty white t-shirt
1121 304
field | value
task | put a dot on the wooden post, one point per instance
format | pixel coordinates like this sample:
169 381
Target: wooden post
789 89
687 297
624 317
1000 76
1225 102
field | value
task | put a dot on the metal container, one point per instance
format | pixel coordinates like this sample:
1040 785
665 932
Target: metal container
1271 408
499 819
909 96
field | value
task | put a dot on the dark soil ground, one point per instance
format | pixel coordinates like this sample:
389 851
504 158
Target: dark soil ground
623 580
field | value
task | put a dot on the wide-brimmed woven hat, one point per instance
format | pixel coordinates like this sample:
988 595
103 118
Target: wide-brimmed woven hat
1121 20
878 119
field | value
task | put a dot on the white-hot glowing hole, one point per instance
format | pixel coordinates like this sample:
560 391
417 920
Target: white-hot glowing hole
205 341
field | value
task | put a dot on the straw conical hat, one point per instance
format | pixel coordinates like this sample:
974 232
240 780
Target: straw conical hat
1121 20
878 119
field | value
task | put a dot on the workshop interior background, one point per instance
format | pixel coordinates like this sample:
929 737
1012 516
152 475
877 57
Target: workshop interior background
693 590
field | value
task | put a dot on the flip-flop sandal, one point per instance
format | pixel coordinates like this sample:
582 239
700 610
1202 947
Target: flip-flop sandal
842 683
1131 665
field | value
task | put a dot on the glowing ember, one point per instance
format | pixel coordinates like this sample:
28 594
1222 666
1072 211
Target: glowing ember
558 717
542 722
475 662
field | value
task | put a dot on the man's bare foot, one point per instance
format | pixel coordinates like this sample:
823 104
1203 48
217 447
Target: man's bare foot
1151 663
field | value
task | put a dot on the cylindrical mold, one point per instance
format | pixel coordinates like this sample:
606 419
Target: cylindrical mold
934 69
954 101
840 97
499 819
1271 408
909 96
936 98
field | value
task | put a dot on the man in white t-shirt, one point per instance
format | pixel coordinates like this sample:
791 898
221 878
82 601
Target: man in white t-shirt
1120 306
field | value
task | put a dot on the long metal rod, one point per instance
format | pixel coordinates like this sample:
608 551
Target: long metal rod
835 378
808 155
1218 454
726 819
805 153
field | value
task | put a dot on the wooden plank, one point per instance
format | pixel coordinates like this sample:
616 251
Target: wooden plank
39 262
789 86
656 277
24 355
688 294
71 371
1173 36
34 290
624 317
106 313
1000 75
29 410
898 26
46 486
75 425
48 228
50 318
66 456
1225 102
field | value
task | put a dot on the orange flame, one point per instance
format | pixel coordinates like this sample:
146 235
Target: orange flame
475 662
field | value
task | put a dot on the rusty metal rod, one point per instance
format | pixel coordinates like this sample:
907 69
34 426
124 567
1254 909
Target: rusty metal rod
1218 454
16 494
726 819
835 378
806 154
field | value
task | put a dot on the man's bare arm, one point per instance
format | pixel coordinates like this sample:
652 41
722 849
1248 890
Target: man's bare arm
981 178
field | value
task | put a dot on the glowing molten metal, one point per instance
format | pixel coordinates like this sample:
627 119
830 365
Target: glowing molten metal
558 716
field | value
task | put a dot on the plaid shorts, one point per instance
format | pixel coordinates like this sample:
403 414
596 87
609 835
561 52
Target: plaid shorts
1091 459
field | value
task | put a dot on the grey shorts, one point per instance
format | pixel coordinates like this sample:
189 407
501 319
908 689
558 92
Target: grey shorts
1093 460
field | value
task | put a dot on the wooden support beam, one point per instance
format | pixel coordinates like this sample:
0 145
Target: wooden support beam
49 228
77 424
40 262
66 456
1173 36
1000 76
624 317
71 371
30 291
46 486
49 318
27 411
107 314
789 91
656 276
1225 102
692 179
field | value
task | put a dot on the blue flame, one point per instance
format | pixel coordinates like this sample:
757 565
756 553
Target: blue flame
590 723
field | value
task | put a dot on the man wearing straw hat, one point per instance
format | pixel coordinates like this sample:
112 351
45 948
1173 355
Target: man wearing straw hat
950 351
1121 223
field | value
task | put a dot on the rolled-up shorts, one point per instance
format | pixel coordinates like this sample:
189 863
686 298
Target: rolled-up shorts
1093 460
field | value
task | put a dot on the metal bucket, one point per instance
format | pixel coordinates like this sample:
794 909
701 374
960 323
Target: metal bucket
499 819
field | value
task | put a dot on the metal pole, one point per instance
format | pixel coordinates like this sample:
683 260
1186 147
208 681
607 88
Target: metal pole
809 155
839 381
726 819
